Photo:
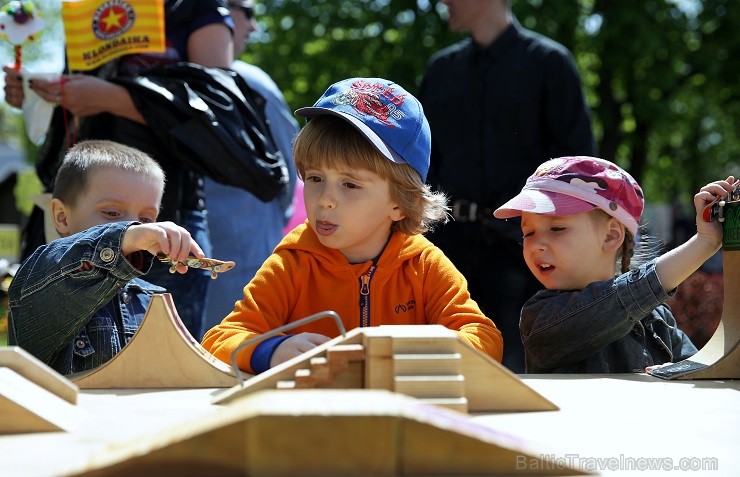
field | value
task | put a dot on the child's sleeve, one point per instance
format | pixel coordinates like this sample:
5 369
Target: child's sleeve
561 328
681 345
448 303
60 286
264 307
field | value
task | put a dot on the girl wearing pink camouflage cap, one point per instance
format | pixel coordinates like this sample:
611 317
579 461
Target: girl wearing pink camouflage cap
580 216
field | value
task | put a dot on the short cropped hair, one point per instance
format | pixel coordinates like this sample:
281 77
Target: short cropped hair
86 156
332 142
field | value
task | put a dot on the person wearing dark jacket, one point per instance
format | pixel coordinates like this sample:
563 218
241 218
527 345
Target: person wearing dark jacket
108 103
499 103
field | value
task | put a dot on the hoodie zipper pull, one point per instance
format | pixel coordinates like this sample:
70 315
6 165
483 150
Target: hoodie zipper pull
365 297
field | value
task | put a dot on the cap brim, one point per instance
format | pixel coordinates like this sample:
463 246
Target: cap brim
369 134
542 202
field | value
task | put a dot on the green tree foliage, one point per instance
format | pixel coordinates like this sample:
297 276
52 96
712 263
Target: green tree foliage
658 74
306 45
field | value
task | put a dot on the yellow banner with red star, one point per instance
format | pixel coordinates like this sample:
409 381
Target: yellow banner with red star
98 31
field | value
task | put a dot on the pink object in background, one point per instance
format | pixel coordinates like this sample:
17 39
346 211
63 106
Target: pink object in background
299 208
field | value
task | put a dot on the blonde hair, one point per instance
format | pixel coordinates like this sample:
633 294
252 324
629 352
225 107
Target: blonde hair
329 141
84 157
643 251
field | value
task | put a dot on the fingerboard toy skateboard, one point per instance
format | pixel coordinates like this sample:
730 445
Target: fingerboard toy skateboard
211 264
720 357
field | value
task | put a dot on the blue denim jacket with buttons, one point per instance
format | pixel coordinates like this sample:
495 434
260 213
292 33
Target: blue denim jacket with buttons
615 326
77 301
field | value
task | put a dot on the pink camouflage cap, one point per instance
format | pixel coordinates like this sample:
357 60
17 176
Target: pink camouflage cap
571 185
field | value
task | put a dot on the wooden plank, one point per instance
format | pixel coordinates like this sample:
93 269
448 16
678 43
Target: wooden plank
33 369
162 354
421 364
27 407
449 386
328 433
378 361
491 387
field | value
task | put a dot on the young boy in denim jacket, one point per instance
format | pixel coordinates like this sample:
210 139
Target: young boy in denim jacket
364 157
580 216
78 300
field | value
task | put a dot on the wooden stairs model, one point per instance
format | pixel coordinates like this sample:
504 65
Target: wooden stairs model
430 363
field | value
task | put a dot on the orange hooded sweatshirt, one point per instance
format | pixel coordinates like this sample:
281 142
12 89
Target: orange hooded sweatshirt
412 282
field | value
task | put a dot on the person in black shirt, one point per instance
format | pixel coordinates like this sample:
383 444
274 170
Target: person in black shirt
499 104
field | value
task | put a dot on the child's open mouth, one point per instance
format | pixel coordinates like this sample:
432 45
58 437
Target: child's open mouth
545 267
325 228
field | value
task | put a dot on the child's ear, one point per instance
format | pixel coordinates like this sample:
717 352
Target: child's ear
397 214
614 235
59 216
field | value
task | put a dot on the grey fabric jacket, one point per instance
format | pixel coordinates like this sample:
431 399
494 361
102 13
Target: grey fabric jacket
615 326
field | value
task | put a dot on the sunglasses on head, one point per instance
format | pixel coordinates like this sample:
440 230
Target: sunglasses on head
248 11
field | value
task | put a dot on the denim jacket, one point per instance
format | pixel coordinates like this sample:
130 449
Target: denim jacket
77 301
613 326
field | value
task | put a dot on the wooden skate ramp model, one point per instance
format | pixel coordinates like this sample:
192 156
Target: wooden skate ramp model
34 397
162 354
327 433
428 362
720 357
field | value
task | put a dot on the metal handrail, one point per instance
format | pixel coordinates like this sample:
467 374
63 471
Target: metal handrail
277 331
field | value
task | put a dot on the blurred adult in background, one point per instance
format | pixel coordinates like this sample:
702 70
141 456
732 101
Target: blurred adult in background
111 103
499 103
243 228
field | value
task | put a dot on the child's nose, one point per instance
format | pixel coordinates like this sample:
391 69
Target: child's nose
327 199
537 242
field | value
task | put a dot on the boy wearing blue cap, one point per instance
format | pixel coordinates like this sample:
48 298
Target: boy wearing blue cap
364 157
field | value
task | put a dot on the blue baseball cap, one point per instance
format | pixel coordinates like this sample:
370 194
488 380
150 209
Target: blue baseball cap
386 114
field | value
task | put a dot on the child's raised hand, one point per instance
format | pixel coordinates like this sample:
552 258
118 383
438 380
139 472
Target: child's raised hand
166 237
708 230
295 345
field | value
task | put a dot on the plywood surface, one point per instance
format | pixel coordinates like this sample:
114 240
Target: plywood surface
162 354
26 407
31 368
597 419
317 432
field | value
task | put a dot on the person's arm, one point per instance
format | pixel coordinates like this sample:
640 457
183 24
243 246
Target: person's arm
86 269
264 307
562 328
84 95
448 303
675 266
211 46
81 95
